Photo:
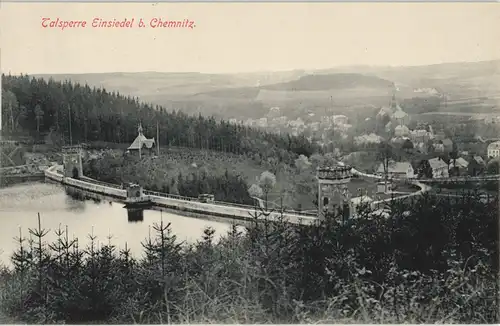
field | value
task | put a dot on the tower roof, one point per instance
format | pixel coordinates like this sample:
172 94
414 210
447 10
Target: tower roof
140 141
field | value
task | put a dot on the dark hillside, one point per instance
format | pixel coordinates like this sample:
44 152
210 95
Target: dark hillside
331 81
316 82
40 106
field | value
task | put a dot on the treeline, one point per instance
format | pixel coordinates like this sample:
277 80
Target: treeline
227 187
431 260
79 113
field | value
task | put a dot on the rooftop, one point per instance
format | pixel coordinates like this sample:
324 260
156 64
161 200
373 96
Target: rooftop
494 145
461 162
337 168
437 163
141 141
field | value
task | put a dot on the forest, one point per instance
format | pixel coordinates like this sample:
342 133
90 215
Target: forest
433 260
71 113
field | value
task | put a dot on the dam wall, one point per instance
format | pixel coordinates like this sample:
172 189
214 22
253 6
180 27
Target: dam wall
178 203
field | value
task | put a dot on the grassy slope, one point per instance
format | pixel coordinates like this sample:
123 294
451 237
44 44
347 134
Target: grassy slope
173 161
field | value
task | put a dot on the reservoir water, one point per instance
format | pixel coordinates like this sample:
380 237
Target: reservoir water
20 204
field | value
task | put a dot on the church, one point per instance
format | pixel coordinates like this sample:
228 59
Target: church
141 142
396 115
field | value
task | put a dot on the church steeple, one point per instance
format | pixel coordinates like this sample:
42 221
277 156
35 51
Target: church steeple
394 103
139 128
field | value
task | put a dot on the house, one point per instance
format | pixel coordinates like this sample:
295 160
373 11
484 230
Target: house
141 141
459 166
440 135
420 135
421 147
388 127
339 119
401 131
447 145
439 168
460 163
262 122
494 150
399 140
296 123
476 166
367 139
397 170
492 120
438 147
400 116
343 127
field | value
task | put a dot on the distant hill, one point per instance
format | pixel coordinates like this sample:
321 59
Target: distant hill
331 81
175 85
310 86
457 79
247 94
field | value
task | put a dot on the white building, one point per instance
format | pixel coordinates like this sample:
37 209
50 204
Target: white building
262 122
399 140
343 127
494 149
388 127
439 168
431 91
439 148
398 170
421 147
421 135
281 120
401 131
492 120
461 163
368 139
339 119
296 123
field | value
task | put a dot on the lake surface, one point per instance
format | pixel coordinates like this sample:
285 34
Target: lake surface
20 204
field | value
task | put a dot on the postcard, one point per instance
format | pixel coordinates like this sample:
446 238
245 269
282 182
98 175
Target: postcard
249 163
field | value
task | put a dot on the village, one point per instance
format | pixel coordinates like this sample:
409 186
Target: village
419 148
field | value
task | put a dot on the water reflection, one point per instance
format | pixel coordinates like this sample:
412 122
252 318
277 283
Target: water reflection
135 215
20 204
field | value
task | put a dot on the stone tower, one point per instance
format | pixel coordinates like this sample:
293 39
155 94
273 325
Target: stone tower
72 161
333 193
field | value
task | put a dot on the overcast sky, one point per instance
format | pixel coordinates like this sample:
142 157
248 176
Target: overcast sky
242 37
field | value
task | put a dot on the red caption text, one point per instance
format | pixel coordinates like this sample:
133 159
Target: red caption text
97 22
